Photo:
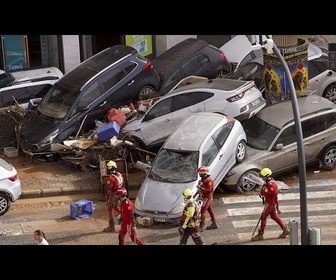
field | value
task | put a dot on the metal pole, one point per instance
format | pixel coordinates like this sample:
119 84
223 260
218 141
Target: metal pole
294 236
301 154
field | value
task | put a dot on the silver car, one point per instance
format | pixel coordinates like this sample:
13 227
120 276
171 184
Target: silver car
271 140
209 139
237 98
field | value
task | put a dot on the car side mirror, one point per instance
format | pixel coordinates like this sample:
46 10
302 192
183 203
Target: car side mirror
329 73
278 147
82 108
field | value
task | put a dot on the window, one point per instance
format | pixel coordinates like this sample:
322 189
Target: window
288 136
21 95
160 109
196 65
185 100
222 133
172 81
210 152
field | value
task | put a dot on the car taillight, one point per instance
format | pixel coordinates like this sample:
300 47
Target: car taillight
148 66
223 57
13 178
236 97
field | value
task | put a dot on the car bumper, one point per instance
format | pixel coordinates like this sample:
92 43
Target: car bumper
160 218
251 109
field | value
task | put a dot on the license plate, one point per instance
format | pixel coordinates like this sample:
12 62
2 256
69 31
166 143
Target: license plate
255 102
160 220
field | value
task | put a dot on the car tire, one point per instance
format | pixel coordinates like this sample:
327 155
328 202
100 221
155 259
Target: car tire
147 92
241 151
328 158
4 204
330 93
246 184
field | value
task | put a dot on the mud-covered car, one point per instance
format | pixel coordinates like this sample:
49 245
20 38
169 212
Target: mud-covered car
272 140
113 77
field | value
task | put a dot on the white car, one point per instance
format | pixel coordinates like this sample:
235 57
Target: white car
203 139
10 185
237 98
18 87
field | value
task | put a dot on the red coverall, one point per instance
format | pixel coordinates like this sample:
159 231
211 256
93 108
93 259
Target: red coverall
115 182
127 225
270 193
206 188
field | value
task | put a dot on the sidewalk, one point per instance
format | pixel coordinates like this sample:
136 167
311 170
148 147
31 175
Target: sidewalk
43 179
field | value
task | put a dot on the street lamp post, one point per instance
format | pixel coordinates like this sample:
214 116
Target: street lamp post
301 154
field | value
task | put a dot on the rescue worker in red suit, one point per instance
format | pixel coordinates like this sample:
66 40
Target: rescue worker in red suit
269 194
115 182
126 220
189 224
206 190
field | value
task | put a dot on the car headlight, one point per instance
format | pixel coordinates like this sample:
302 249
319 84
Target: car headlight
179 208
137 204
49 139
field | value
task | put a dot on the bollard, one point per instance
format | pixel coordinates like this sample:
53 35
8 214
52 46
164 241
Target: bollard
294 236
314 236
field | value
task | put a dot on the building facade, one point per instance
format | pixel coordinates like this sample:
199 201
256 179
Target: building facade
67 51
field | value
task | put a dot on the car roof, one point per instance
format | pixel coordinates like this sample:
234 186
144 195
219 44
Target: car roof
90 67
177 54
306 105
191 132
218 84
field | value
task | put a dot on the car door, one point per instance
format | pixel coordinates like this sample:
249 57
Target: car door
185 104
286 158
219 152
158 123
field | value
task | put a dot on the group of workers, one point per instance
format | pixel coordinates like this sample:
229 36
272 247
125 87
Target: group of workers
193 218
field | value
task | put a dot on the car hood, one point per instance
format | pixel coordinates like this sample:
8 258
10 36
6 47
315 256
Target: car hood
132 125
162 196
34 128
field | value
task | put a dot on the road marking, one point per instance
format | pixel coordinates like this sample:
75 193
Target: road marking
283 208
281 197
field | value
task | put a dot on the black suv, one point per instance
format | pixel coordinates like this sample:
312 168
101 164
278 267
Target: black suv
191 57
115 76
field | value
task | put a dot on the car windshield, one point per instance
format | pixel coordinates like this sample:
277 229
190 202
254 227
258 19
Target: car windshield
58 101
260 134
175 166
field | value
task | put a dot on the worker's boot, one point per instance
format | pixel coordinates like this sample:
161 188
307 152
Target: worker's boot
285 232
201 226
110 228
213 225
259 236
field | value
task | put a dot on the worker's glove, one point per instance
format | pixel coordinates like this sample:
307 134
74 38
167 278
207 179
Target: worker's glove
119 219
278 210
181 230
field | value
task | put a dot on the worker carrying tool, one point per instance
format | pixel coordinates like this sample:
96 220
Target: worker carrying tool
114 183
269 194
206 190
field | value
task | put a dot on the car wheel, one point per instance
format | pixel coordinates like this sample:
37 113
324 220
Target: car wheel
328 158
249 180
330 93
146 92
4 204
241 151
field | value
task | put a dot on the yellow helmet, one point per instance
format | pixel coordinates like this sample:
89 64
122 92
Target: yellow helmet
111 164
265 172
187 194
